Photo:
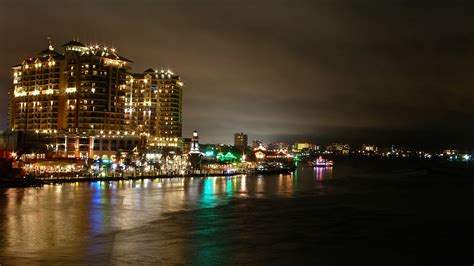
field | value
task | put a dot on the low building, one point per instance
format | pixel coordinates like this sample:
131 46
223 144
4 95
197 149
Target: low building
7 154
278 146
369 149
102 146
279 156
299 147
257 143
260 152
338 148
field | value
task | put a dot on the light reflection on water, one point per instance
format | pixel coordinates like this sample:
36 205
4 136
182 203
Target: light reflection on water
35 219
322 173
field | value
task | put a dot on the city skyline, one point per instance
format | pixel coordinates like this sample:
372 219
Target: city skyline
333 74
236 132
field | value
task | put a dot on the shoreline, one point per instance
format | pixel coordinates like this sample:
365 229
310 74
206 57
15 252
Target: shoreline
37 182
378 165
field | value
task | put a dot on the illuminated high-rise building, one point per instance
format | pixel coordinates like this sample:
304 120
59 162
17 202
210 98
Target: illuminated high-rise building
141 100
86 98
35 95
95 88
81 90
153 106
170 121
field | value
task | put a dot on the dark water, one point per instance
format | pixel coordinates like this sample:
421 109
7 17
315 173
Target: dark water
359 213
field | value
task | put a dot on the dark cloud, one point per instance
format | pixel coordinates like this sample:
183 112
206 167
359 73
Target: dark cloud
315 70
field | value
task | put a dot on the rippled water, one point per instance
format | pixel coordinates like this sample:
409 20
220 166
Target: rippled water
307 217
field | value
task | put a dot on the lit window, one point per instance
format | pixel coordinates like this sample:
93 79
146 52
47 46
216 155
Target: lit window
70 90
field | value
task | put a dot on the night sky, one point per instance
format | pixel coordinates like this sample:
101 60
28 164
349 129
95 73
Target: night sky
314 70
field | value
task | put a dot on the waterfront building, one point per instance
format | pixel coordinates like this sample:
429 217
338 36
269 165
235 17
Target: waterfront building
260 152
278 146
34 96
101 146
279 155
257 143
278 151
301 146
87 104
170 119
81 90
153 106
369 149
141 101
400 151
450 152
338 148
240 140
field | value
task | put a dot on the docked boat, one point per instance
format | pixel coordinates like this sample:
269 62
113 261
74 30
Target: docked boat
320 162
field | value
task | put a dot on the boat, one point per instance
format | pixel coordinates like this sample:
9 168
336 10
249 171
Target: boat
320 162
273 168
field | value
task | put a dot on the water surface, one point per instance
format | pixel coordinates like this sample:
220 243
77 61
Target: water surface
351 214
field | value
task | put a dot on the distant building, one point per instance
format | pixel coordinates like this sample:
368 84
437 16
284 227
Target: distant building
450 151
278 146
209 147
400 151
240 140
369 149
299 147
338 148
256 144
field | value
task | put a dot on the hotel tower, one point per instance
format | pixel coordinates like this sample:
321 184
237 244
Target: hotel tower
89 102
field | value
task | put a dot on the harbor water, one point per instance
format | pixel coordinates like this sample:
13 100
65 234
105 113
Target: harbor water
357 213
